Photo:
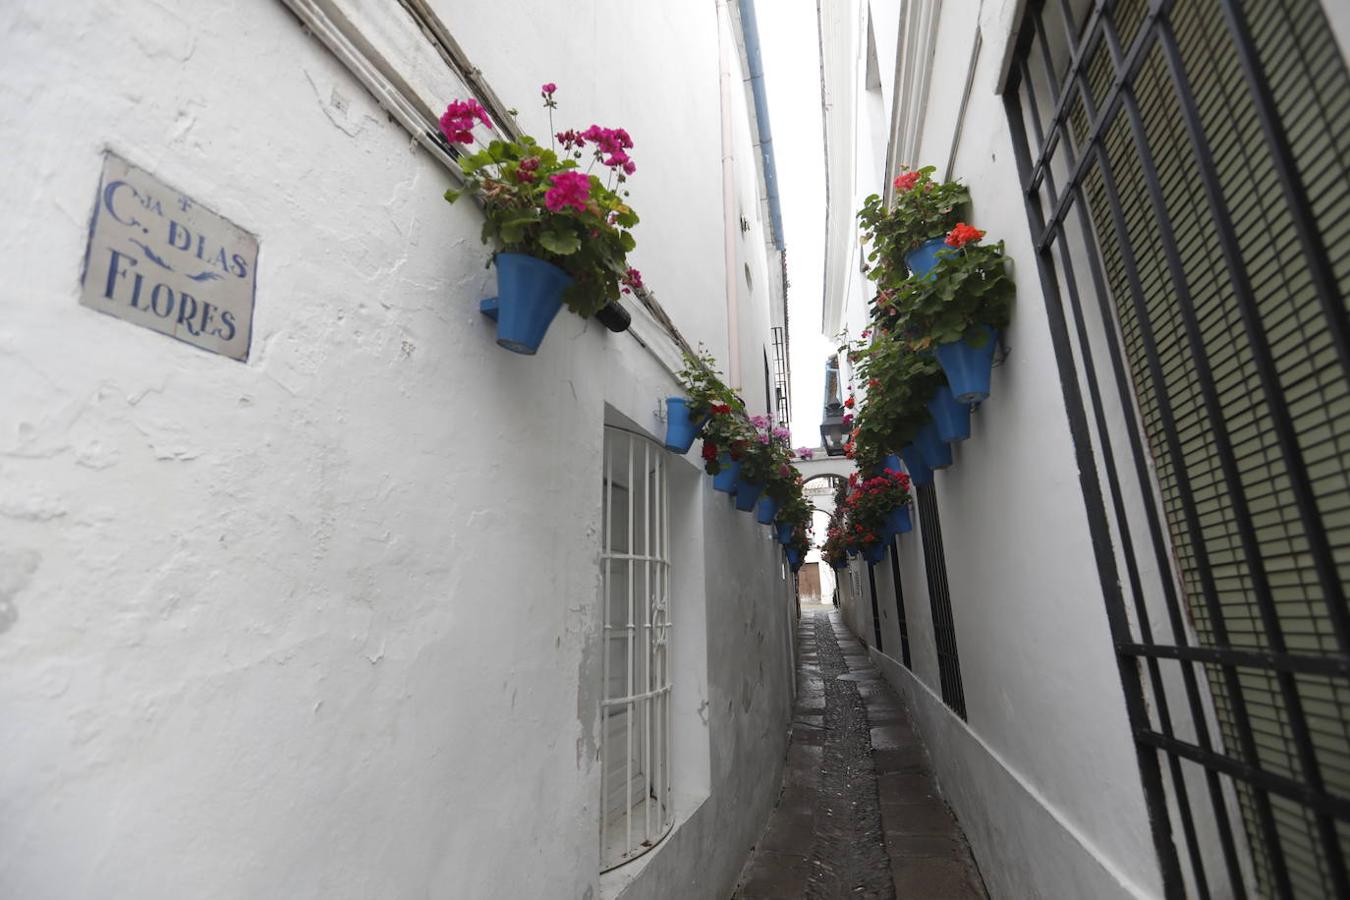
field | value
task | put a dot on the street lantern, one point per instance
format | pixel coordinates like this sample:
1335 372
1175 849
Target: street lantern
832 430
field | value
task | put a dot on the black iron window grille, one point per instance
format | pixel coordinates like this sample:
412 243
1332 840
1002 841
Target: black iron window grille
1186 167
900 602
876 611
782 401
940 600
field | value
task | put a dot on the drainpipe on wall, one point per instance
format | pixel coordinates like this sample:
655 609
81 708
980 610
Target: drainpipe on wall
750 30
731 220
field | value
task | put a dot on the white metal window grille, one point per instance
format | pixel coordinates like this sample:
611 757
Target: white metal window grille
635 808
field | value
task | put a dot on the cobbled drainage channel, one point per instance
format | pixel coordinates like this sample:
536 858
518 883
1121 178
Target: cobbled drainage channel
859 815
849 853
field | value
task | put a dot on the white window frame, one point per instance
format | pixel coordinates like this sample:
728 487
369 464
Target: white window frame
636 808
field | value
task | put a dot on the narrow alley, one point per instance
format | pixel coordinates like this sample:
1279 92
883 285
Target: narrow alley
859 814
429 430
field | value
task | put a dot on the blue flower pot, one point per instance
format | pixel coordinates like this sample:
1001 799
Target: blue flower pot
725 480
951 416
784 534
875 553
852 551
747 495
968 368
924 258
898 521
794 558
681 427
839 566
919 473
934 450
529 295
891 462
767 511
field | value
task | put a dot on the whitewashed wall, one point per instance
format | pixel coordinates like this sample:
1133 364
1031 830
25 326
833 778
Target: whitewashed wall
325 625
1042 774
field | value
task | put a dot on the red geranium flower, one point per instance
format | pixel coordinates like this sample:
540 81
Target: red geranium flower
963 234
849 403
709 451
906 180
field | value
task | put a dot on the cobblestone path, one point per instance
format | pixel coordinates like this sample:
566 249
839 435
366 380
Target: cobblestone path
859 815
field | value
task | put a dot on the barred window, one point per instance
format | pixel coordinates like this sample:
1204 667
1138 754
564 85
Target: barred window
635 808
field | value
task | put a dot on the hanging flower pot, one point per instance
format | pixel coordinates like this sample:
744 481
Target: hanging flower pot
875 553
725 480
794 558
951 416
747 495
767 510
935 452
898 521
852 551
537 206
529 295
968 367
891 462
681 426
784 534
919 472
923 259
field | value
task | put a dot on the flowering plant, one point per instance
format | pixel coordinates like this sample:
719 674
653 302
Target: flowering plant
801 539
923 209
765 455
703 384
784 484
969 287
900 384
726 429
869 503
796 512
539 202
835 549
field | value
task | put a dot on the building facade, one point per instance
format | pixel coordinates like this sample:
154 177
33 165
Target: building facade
1120 618
374 608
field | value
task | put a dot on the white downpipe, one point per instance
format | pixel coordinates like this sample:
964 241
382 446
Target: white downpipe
731 221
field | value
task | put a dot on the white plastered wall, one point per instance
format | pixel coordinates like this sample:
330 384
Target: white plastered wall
325 625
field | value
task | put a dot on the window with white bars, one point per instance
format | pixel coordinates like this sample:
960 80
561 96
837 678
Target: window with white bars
635 808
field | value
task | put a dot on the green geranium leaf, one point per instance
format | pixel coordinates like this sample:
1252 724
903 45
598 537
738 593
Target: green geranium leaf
560 242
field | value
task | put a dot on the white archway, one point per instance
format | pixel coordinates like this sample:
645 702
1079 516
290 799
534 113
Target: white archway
820 465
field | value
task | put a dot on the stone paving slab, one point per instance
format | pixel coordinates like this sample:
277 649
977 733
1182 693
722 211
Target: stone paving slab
860 815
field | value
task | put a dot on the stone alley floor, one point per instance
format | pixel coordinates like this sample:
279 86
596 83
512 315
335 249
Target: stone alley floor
859 814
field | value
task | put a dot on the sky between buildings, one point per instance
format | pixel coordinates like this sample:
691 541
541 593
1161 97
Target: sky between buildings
791 55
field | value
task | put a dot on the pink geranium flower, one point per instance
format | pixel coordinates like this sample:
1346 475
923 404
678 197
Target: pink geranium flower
632 280
611 144
569 189
457 122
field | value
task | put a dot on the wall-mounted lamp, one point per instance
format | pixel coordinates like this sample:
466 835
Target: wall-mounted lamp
832 430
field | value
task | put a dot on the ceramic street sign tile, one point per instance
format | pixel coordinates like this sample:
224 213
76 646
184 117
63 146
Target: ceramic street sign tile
161 260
